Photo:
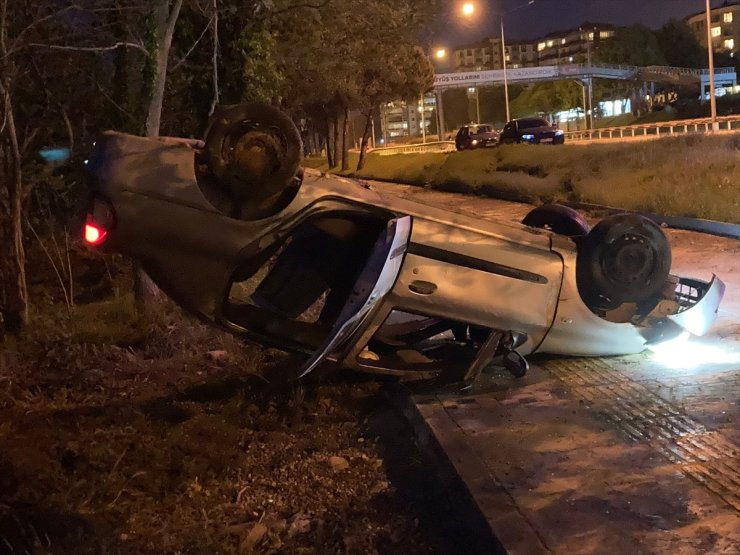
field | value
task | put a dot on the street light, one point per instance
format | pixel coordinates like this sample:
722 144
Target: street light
441 53
712 92
468 9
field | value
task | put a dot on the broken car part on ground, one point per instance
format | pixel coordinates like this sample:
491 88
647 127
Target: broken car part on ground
234 231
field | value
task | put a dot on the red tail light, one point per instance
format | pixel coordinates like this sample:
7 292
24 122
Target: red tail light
94 234
100 221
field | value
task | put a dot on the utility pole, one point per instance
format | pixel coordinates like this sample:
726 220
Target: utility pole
423 122
477 104
506 82
712 91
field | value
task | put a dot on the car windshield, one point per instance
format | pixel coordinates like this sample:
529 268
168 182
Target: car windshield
481 129
534 122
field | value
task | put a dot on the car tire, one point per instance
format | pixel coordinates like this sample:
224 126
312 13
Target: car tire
252 151
559 219
625 258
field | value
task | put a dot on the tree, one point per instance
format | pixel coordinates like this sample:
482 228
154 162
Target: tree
30 32
548 97
633 45
679 45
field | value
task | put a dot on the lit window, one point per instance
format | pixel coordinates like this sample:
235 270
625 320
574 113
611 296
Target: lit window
562 41
716 31
508 58
541 46
590 36
605 34
727 17
730 44
550 43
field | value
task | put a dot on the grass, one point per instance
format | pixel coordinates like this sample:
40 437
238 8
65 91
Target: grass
694 176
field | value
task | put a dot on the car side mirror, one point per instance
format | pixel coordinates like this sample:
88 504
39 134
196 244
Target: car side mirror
516 364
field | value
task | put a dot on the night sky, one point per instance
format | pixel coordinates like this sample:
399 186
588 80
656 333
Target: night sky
545 16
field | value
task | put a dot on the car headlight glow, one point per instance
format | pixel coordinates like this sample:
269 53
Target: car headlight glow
475 141
528 137
682 353
559 132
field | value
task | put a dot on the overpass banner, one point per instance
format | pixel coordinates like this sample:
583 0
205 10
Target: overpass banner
471 78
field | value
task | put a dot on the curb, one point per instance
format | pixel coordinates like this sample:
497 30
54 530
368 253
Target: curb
711 227
474 491
444 469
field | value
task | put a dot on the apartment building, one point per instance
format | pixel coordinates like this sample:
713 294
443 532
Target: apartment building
572 46
563 47
477 57
724 27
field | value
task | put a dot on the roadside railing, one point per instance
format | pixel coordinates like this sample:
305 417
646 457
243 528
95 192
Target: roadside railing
658 129
438 146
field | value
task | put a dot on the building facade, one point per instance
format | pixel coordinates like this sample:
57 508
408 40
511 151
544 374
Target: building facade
724 27
565 47
573 46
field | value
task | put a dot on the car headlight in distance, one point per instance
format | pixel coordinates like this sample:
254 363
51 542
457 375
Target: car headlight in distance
474 142
528 137
559 132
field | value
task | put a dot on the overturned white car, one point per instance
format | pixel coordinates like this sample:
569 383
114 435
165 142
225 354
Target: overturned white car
235 232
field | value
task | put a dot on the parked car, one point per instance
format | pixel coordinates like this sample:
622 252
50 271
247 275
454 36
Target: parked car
236 233
476 136
533 131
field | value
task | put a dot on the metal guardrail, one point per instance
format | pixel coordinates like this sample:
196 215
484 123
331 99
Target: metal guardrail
439 146
658 129
652 130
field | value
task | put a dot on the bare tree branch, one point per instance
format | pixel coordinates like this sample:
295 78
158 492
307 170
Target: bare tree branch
115 104
192 48
216 47
133 45
299 6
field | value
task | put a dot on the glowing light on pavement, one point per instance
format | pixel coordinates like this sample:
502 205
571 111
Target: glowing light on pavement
682 353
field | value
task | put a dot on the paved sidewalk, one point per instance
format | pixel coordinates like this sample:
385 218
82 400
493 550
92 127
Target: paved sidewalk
580 458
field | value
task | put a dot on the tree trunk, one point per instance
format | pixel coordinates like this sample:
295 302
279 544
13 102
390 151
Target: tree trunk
216 92
165 20
335 141
145 292
13 288
345 142
329 158
365 139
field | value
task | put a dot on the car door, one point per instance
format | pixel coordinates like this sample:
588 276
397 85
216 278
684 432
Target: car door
375 282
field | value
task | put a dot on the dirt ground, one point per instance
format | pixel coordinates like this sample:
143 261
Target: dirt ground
127 434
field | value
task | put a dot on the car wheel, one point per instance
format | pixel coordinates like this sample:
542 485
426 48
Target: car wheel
625 258
558 219
252 154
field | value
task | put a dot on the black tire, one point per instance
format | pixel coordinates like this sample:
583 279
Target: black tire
252 151
558 219
625 258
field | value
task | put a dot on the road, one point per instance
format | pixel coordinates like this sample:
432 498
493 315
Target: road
631 454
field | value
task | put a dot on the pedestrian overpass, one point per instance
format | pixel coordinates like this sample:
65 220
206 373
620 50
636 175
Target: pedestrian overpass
584 72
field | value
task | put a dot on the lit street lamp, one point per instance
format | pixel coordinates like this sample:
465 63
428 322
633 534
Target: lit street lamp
468 9
441 53
712 92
